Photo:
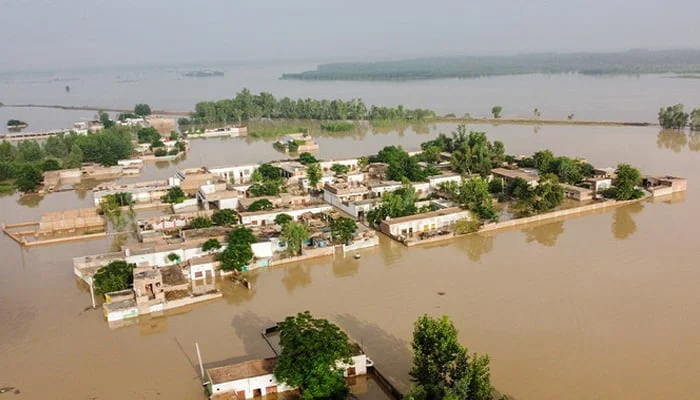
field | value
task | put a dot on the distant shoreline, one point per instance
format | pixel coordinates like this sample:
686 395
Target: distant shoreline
491 121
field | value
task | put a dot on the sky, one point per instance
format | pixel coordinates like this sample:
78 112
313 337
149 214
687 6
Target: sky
58 34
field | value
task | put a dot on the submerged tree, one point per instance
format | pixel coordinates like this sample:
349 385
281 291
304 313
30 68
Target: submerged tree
442 367
311 349
673 117
496 111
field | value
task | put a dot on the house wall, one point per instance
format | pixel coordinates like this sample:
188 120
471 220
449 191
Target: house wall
350 162
248 385
269 218
235 174
423 224
435 181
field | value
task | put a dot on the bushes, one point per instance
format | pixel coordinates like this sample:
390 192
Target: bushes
262 204
175 195
200 222
117 275
337 126
224 217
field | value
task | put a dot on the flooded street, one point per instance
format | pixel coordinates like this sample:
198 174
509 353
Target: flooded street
600 306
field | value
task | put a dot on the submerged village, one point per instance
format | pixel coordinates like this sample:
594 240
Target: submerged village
224 221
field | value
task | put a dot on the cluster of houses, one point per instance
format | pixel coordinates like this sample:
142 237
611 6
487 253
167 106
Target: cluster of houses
353 193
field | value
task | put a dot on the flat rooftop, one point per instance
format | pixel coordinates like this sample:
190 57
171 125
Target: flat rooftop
242 370
444 211
515 173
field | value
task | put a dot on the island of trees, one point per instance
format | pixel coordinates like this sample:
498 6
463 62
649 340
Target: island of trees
246 106
16 124
631 62
674 117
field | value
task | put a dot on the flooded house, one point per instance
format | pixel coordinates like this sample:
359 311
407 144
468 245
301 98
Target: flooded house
403 228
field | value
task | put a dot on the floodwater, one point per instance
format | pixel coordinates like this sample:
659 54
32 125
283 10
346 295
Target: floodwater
601 306
617 98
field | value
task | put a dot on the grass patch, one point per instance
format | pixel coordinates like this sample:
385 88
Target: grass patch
337 126
7 187
273 131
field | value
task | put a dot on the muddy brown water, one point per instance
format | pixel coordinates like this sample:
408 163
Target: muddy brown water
601 306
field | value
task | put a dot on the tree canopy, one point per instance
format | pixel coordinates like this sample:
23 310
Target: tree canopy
238 253
311 349
673 117
117 275
211 244
175 195
626 181
399 203
314 175
496 111
343 229
224 217
283 219
142 110
442 367
200 222
262 204
472 153
294 233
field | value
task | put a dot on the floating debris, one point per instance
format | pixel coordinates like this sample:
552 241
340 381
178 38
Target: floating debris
441 293
357 256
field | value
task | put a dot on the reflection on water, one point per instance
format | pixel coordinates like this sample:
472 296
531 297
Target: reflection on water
296 276
30 200
345 266
676 140
546 234
623 225
476 245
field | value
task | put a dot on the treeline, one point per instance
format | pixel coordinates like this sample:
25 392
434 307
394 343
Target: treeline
25 162
674 117
630 62
248 106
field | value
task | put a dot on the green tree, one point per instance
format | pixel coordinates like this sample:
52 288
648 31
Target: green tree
626 181
673 117
174 135
294 234
695 119
211 244
236 256
314 174
307 158
174 195
29 151
442 367
256 176
142 110
473 153
496 186
474 195
464 226
283 219
241 235
117 275
172 257
8 152
343 229
399 203
50 164
496 111
75 158
544 161
148 135
340 169
311 349
103 117
200 222
537 113
224 217
548 193
56 147
431 154
262 204
29 178
269 172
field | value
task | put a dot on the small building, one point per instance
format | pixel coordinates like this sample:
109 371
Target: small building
224 131
291 170
190 179
351 163
255 378
664 185
577 193
236 174
509 175
267 217
141 192
437 180
598 183
406 227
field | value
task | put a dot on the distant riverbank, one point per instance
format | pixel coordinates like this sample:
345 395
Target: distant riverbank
467 120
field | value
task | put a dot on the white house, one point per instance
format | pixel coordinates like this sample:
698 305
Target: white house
256 378
351 163
141 192
423 222
444 178
267 217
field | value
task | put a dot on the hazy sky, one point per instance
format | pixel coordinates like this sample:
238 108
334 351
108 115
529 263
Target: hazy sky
47 34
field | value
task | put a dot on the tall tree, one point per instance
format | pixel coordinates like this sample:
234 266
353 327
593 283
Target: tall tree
294 233
673 117
343 229
29 177
311 349
314 174
626 181
142 110
117 275
442 367
75 158
474 195
496 111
